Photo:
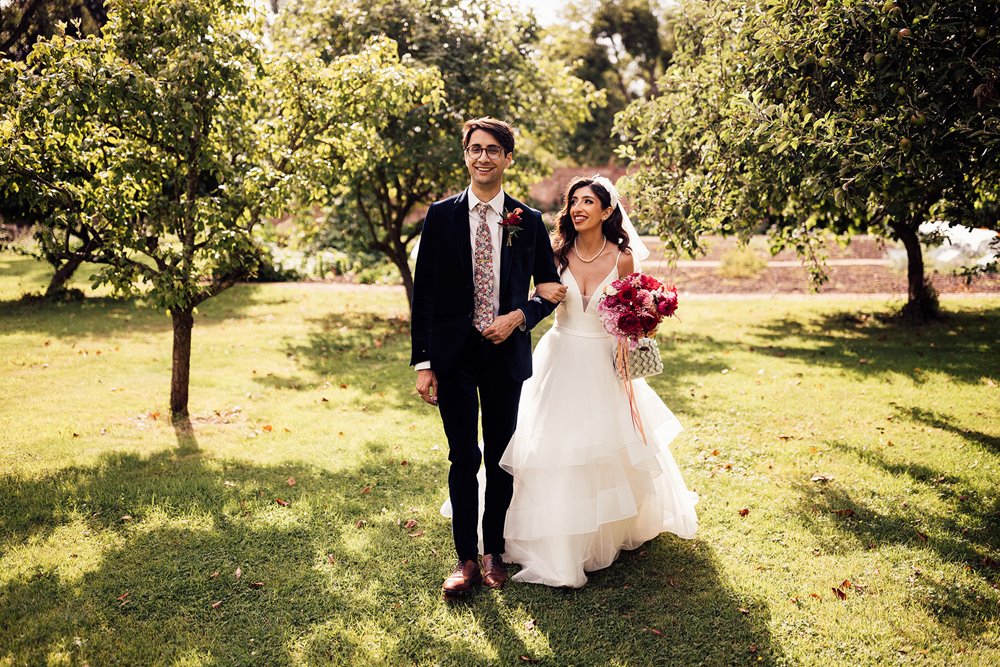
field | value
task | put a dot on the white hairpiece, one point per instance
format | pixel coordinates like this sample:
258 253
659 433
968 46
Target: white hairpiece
606 183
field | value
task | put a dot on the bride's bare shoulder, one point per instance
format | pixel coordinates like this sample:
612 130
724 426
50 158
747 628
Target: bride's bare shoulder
626 264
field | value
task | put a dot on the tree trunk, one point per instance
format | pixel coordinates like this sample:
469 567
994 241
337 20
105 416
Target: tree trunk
63 273
922 304
401 259
181 369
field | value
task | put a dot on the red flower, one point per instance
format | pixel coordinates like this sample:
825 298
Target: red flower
627 293
611 301
667 305
511 222
649 282
629 324
648 323
512 218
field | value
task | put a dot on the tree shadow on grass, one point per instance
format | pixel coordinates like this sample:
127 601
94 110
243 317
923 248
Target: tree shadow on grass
117 317
662 604
367 351
968 533
334 576
866 345
990 443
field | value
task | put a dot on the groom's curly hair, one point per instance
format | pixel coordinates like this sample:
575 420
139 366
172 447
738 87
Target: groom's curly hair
499 130
565 231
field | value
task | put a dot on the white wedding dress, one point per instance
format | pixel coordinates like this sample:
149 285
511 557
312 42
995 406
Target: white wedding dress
585 484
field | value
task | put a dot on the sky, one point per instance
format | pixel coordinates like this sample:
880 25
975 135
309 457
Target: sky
545 10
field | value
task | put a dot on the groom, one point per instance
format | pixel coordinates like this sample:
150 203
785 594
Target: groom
472 316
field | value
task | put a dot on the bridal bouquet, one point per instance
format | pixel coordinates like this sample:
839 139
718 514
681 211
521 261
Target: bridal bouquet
632 307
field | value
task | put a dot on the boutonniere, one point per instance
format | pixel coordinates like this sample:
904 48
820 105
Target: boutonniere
512 223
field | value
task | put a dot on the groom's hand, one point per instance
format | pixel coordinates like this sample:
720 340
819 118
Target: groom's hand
503 326
427 386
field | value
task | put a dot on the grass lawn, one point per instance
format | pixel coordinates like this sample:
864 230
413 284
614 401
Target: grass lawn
847 469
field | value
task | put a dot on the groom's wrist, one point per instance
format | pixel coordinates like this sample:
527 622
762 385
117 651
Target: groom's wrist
523 325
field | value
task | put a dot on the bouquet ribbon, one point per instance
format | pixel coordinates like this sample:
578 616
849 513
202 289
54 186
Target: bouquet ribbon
621 358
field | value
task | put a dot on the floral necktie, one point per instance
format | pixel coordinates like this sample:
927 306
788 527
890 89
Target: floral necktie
482 272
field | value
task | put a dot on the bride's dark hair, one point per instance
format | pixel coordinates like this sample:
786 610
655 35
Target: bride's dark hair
565 231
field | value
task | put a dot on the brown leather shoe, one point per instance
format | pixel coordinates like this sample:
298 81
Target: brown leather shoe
461 580
494 571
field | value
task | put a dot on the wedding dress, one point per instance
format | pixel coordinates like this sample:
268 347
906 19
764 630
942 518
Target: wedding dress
585 484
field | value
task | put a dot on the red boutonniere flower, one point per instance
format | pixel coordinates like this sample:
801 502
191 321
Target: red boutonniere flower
512 223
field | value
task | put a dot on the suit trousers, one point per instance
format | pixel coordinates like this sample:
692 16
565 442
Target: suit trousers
480 378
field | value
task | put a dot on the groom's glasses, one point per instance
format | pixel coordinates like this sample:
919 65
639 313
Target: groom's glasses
475 151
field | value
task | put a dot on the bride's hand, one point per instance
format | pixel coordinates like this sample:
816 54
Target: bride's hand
552 292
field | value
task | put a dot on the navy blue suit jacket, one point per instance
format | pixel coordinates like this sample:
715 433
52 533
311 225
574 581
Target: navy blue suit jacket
443 292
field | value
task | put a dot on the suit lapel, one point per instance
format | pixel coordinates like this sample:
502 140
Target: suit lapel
460 226
505 249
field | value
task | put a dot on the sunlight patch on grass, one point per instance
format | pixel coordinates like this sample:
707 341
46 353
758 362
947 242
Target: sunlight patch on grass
70 550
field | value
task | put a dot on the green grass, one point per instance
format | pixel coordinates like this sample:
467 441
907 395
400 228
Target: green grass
113 522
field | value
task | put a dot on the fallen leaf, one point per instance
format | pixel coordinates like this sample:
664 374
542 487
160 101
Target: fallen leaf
214 575
330 559
343 386
404 462
126 518
922 536
715 452
814 595
257 584
283 503
744 511
410 524
527 659
846 583
743 610
267 427
839 593
656 632
290 481
419 533
324 400
672 582
216 604
238 573
821 478
121 598
752 648
154 415
229 484
367 489
529 625
360 523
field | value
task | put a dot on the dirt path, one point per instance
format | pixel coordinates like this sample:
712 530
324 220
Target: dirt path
861 267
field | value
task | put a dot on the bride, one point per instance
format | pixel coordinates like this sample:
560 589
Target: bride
586 486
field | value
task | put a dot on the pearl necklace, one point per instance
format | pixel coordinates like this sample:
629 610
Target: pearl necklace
599 252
